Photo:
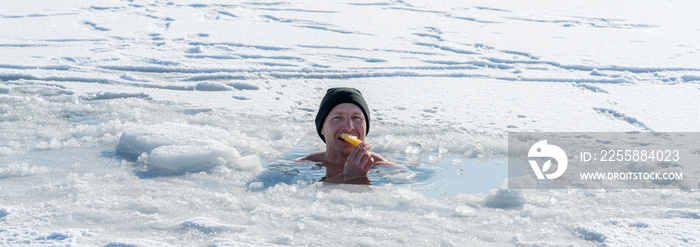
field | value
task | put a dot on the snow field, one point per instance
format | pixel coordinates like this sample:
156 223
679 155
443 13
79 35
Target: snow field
138 123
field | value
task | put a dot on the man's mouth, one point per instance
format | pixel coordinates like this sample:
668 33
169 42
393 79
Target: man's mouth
343 140
350 139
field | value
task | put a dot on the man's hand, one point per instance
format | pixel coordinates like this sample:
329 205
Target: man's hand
359 162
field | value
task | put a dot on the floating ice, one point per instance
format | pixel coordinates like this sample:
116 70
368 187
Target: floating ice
413 148
144 139
403 175
249 162
191 158
270 178
180 147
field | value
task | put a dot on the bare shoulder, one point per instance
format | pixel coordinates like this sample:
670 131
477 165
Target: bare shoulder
313 157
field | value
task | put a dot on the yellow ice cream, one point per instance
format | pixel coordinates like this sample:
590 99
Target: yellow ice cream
351 139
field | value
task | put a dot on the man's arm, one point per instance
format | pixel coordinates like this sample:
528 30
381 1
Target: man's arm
378 160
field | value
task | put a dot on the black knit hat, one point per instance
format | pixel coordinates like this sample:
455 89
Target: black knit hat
336 96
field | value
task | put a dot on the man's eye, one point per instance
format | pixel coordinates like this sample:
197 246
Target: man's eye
357 118
338 117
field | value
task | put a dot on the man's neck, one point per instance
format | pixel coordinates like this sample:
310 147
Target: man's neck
335 157
335 163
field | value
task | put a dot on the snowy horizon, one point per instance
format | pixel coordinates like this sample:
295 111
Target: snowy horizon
173 123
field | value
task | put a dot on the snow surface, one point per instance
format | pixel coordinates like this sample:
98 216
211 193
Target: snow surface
159 123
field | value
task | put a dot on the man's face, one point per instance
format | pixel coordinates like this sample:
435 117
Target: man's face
344 118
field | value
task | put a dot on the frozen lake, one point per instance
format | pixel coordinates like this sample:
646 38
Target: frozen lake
93 93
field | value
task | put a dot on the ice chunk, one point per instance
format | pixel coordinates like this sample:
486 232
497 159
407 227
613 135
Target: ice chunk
434 159
249 162
270 178
191 158
291 171
505 199
465 211
178 147
413 148
402 176
256 186
132 145
144 139
413 156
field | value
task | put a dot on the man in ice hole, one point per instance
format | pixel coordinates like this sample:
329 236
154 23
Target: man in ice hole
344 110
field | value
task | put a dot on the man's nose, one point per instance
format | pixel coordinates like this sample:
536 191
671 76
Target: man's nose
347 124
